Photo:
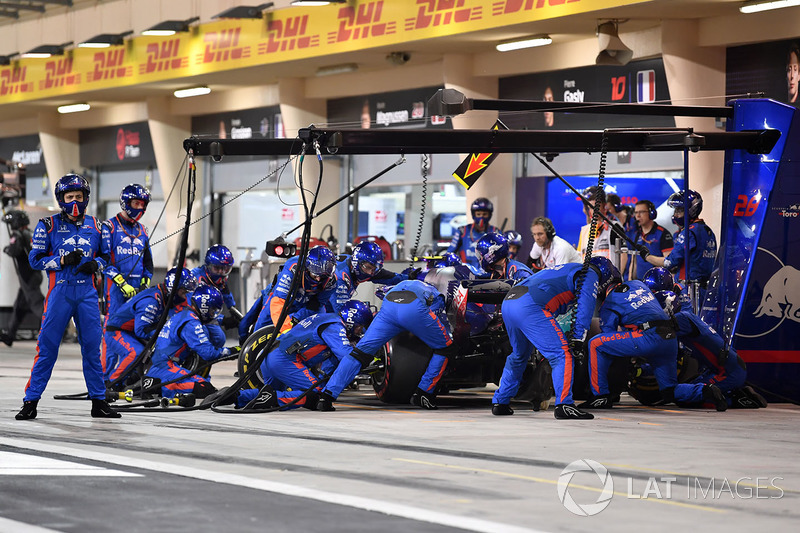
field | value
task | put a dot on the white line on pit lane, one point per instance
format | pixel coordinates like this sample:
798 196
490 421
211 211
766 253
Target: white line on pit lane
21 527
20 464
357 502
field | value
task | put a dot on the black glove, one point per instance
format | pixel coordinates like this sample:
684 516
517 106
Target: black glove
643 250
73 258
577 347
89 267
414 273
230 322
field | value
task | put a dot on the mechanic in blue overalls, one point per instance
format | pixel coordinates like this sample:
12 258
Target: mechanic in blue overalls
69 247
529 312
317 291
214 271
364 264
193 330
130 265
493 257
648 332
466 237
129 329
309 351
718 366
702 243
414 306
514 239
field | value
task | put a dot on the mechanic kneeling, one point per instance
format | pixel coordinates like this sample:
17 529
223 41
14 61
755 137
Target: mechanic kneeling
413 306
196 330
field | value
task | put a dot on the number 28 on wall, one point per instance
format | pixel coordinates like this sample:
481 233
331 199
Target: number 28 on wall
746 206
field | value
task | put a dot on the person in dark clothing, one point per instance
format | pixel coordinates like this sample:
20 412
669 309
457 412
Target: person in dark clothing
29 296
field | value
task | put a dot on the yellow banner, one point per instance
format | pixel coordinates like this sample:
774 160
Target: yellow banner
285 35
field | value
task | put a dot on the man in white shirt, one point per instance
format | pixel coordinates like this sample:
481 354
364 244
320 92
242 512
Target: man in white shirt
603 245
549 249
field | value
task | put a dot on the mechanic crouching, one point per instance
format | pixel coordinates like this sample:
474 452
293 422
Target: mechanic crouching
493 255
412 306
193 330
529 312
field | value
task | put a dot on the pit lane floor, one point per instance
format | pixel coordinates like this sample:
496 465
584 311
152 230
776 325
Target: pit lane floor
371 467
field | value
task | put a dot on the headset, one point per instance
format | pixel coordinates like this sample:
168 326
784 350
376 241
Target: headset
651 207
549 229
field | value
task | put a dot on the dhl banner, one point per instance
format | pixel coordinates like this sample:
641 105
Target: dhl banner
283 35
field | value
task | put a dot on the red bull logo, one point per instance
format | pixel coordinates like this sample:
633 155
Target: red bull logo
781 296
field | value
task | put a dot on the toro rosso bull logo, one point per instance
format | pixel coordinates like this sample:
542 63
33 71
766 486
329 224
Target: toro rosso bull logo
77 241
781 296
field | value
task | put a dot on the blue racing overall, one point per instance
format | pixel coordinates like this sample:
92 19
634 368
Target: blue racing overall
464 240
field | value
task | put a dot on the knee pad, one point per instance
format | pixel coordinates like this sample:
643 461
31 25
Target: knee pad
668 394
202 389
362 357
449 351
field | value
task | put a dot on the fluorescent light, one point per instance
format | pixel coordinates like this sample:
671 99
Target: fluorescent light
310 3
73 108
46 50
337 69
762 5
194 91
105 40
526 42
94 45
170 27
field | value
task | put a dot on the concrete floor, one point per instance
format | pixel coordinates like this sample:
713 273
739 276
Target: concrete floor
369 467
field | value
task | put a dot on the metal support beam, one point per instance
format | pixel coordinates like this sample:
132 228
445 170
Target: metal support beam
7 13
16 5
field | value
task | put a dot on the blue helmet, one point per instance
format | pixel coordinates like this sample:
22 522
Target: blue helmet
207 302
355 313
669 301
131 192
658 279
366 255
219 263
481 204
514 238
448 259
320 266
68 183
675 201
188 280
607 273
491 249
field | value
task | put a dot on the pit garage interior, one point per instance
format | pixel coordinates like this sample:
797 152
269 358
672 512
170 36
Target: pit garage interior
372 465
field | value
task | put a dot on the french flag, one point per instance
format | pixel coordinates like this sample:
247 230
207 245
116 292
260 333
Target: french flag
646 86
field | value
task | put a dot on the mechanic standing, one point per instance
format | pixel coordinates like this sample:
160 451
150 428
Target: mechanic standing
413 306
529 311
69 246
130 263
466 237
29 296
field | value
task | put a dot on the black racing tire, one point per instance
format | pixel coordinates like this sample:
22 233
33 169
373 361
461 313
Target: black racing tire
642 385
405 360
252 349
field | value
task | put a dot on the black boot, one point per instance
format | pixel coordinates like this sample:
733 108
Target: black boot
712 394
28 411
753 395
423 399
266 399
568 411
325 402
501 409
6 339
597 402
101 409
746 399
214 396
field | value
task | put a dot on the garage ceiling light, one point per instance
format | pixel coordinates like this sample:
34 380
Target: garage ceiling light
193 91
243 12
6 60
105 40
766 5
74 108
46 50
337 69
314 3
524 42
170 27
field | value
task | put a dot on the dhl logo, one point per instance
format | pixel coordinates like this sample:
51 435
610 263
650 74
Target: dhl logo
12 81
287 35
506 7
59 73
109 65
361 23
163 56
223 45
441 13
